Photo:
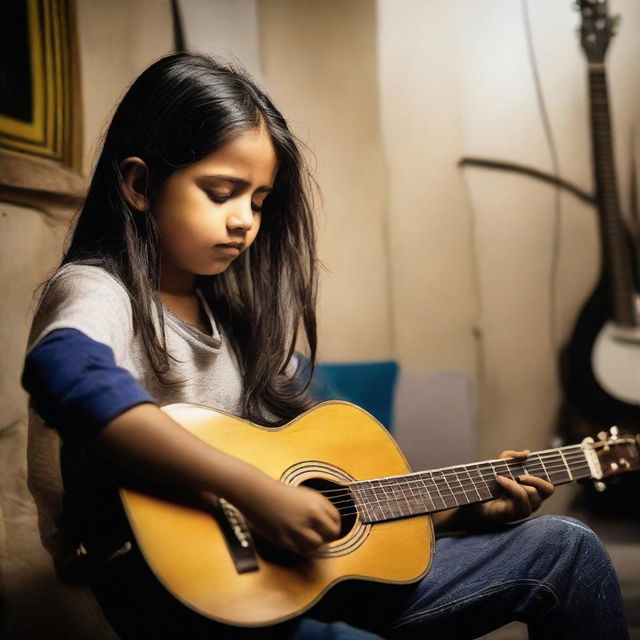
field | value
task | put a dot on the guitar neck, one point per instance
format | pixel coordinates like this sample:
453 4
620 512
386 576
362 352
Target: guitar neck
615 251
430 491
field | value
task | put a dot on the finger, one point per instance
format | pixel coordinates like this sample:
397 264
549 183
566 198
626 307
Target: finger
544 487
509 453
307 541
333 512
328 528
516 497
534 497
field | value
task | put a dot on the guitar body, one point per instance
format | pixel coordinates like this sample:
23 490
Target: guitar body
591 367
597 371
333 443
616 363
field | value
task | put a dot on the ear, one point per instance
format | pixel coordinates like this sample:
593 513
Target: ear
135 180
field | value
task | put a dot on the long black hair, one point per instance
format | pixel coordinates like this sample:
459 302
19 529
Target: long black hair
180 109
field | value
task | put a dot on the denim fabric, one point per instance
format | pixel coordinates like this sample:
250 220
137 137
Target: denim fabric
550 572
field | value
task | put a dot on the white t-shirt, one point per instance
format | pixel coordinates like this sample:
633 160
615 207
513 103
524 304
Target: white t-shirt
89 299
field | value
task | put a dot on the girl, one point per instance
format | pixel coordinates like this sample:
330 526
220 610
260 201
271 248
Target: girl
190 270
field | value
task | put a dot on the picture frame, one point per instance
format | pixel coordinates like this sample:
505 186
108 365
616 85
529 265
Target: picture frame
40 116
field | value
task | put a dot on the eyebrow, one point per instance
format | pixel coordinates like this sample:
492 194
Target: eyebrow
240 181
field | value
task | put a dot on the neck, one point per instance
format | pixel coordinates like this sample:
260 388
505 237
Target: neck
176 283
430 491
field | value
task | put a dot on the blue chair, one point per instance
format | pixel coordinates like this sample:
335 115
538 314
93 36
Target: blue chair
370 385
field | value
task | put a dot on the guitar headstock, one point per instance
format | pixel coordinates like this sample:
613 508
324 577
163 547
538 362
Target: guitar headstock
616 452
597 28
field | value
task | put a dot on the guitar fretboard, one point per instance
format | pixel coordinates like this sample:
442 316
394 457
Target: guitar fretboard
616 260
430 491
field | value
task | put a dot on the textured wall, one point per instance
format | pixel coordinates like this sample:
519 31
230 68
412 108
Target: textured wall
117 40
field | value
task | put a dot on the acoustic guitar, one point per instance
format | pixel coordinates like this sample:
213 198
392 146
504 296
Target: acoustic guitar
204 553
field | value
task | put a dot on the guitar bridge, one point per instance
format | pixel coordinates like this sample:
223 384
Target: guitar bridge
236 534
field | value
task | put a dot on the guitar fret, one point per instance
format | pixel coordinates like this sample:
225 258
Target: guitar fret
544 468
374 502
464 494
464 491
361 500
424 478
565 464
473 484
382 499
415 500
482 478
453 495
435 484
385 502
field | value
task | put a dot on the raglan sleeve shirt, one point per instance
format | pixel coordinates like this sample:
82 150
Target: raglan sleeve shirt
79 342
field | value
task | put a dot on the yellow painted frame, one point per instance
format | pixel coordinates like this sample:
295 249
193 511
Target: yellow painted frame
54 132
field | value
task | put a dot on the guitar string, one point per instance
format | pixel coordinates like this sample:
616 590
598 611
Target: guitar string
352 508
575 455
456 490
441 485
464 469
442 493
460 499
557 459
417 482
463 488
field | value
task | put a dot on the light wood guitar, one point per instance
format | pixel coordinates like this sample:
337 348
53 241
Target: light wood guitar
206 556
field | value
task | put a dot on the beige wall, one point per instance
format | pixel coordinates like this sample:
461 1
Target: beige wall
319 66
474 249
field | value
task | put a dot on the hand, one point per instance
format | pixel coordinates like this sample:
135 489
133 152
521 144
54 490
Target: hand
520 498
296 518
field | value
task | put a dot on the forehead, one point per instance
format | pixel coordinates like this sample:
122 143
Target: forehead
250 153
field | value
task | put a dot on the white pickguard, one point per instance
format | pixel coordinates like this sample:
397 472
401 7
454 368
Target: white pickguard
616 362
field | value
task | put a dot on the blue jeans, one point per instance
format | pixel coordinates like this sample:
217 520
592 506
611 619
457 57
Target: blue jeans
550 572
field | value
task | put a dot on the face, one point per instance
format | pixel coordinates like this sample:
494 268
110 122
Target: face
208 213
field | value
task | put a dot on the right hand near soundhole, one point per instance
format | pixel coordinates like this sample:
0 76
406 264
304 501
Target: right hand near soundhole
296 518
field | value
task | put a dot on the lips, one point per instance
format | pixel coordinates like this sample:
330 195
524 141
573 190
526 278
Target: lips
231 249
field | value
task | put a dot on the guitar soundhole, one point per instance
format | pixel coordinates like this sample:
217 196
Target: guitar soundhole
341 499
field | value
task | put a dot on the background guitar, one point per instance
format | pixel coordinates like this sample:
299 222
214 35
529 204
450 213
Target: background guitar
600 366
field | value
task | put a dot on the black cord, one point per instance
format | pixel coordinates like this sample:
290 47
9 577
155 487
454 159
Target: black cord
513 167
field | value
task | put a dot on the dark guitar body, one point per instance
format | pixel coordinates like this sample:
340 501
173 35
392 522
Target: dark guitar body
588 408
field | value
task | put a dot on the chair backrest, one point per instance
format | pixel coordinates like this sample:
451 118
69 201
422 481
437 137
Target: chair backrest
370 385
435 419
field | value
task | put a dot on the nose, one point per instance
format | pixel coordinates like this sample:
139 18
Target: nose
241 216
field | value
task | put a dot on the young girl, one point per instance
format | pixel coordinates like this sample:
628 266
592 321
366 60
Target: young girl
190 271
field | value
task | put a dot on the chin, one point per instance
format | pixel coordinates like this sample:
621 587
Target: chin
215 270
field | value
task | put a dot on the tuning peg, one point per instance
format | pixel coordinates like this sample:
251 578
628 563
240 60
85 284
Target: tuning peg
599 485
603 435
615 432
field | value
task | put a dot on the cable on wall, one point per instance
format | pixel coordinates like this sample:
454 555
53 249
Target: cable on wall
555 163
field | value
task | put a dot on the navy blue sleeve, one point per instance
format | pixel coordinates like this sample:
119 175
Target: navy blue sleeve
76 386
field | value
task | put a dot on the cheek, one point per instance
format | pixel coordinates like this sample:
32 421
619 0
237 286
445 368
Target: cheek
257 221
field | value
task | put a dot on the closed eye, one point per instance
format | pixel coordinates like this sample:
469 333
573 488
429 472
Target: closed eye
257 208
217 198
